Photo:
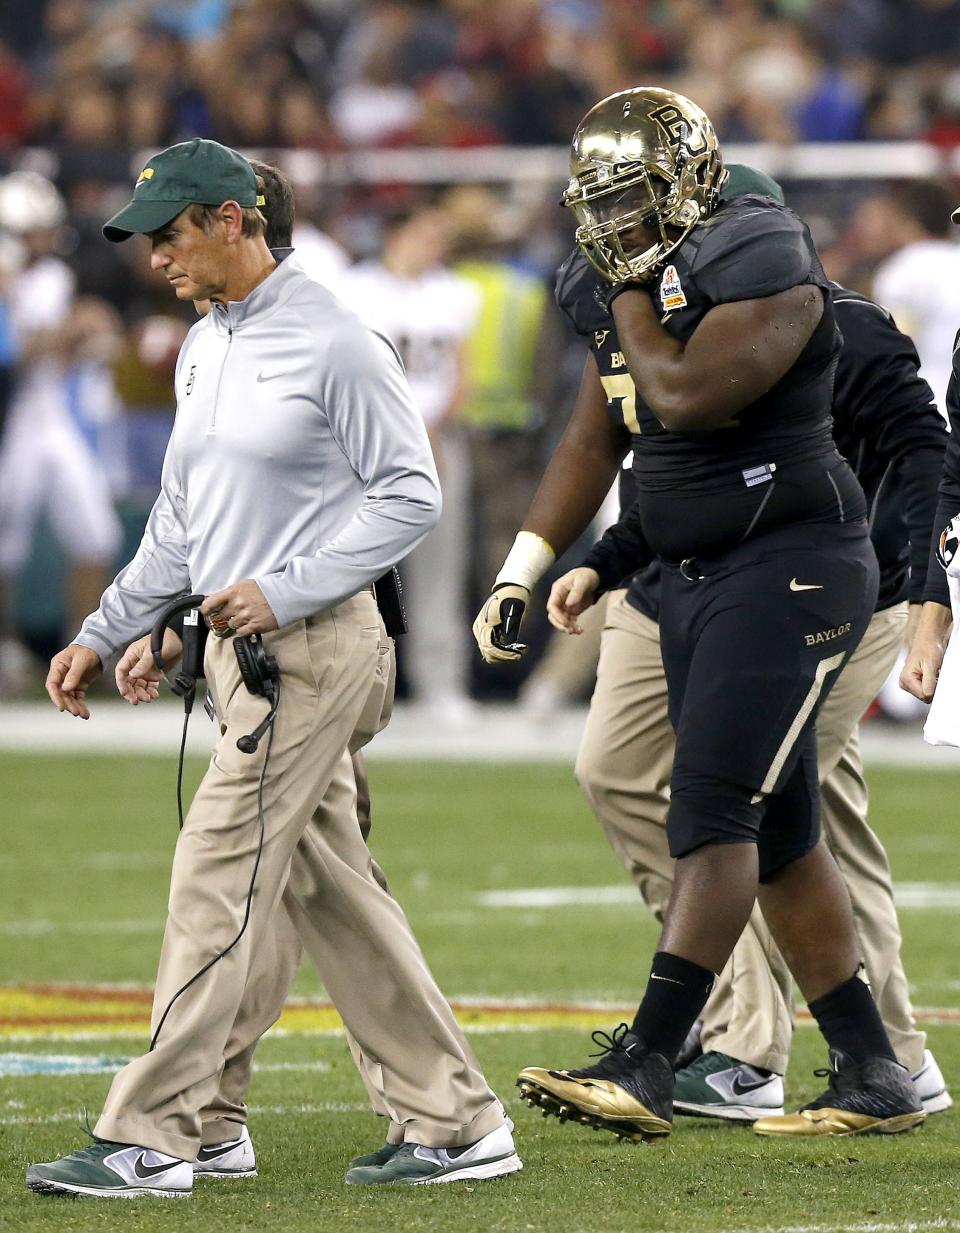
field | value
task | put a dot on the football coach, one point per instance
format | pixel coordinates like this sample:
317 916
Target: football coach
297 473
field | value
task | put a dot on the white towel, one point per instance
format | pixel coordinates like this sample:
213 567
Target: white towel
943 720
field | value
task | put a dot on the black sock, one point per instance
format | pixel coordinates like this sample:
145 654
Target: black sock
676 994
849 1020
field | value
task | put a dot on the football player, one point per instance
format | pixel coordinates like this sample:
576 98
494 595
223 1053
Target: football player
713 346
887 425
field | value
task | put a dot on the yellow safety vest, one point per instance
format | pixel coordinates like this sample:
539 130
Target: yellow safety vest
502 351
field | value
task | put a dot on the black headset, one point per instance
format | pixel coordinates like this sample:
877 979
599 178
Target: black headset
258 670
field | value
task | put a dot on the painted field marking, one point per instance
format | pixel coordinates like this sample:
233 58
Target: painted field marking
926 896
101 1012
44 1119
15 1065
910 896
45 928
907 1226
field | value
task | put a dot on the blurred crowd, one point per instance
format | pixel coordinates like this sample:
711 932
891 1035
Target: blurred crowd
95 78
460 275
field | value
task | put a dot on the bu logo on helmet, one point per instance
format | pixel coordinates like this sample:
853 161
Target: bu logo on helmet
673 123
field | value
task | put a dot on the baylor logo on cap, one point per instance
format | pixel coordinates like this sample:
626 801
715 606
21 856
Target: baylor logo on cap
146 174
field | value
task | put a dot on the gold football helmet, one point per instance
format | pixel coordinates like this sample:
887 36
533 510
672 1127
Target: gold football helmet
645 168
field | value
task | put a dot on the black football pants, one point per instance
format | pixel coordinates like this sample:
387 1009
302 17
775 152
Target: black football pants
752 641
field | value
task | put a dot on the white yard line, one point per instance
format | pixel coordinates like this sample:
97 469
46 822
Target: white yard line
530 901
492 733
923 896
44 1119
907 1226
44 927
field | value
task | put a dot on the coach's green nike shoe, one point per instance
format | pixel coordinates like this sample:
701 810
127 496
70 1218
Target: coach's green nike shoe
377 1158
413 1164
716 1085
113 1171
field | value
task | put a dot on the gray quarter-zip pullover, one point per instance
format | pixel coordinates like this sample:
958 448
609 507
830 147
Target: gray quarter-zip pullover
297 458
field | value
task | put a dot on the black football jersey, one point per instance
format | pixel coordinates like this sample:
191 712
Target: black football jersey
750 248
887 426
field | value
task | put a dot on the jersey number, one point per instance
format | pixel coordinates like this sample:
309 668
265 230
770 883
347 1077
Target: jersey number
622 397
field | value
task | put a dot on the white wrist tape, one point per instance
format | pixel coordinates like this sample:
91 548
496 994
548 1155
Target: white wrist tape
527 561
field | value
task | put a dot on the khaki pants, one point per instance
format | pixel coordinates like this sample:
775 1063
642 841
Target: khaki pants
276 962
316 868
624 766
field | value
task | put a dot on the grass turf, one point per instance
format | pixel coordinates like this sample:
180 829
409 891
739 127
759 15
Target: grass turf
86 860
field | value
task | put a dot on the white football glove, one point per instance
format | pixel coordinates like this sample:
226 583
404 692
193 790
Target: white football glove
488 627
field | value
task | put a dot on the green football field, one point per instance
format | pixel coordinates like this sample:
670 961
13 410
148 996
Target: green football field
467 847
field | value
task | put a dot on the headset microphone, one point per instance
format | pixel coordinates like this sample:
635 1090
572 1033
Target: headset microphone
248 744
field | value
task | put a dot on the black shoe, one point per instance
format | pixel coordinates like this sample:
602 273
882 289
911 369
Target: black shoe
628 1092
876 1096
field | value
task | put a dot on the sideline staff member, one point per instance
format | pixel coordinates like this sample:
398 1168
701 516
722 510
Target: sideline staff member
344 812
298 464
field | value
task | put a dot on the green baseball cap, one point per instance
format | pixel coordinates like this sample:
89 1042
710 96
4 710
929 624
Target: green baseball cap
198 171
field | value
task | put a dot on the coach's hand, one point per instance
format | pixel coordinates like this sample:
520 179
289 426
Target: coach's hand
71 671
488 627
922 665
241 607
570 595
137 676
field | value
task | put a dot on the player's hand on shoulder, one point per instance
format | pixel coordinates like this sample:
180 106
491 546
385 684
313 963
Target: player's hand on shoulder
570 596
499 645
71 672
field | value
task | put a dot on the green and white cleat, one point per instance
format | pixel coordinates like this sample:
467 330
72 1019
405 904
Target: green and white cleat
413 1164
719 1086
107 1170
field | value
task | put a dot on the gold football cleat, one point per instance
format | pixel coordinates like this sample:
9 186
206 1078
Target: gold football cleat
827 1121
599 1103
872 1096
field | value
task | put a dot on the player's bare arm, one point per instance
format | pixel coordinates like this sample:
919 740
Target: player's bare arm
582 469
922 666
737 353
578 477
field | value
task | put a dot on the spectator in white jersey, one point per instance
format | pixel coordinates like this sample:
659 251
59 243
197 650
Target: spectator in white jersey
429 313
47 463
918 279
